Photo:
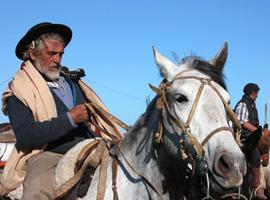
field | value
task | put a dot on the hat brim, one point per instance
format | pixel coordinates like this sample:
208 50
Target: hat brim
31 35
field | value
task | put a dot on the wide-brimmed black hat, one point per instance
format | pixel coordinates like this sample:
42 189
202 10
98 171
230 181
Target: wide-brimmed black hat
40 29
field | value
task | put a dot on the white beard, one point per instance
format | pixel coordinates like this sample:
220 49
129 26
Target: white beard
50 75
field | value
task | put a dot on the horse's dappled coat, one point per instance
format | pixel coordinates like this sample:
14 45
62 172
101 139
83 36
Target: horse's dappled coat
161 163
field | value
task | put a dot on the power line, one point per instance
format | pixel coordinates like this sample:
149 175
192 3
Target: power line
99 84
4 82
117 91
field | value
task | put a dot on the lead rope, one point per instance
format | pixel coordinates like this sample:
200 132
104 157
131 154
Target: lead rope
103 173
114 172
115 161
93 108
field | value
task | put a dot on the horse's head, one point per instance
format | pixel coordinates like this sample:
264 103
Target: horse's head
194 104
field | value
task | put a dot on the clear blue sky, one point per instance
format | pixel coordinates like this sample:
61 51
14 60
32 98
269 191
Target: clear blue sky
112 41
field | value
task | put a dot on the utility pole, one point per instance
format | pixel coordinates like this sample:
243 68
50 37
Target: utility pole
265 117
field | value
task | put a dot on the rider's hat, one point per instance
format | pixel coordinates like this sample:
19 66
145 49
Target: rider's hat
250 88
39 29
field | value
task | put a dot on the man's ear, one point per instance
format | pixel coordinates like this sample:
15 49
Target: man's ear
31 53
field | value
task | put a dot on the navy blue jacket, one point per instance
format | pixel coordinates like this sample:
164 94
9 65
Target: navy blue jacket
58 133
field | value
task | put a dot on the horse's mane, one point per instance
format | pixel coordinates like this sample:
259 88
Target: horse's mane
150 108
206 68
145 120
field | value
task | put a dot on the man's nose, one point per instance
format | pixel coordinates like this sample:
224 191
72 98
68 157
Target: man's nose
57 58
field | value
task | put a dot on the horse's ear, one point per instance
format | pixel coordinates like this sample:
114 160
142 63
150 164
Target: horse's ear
219 60
167 68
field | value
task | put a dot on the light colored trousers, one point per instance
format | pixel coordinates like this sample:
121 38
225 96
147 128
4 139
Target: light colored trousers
38 183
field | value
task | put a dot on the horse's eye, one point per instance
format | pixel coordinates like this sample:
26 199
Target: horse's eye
181 98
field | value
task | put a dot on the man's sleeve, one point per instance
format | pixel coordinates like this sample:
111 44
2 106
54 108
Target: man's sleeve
241 112
31 134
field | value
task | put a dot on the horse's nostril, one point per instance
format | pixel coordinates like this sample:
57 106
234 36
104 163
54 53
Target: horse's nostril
223 162
223 167
228 169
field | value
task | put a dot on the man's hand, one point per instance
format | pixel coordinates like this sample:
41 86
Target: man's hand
249 126
79 113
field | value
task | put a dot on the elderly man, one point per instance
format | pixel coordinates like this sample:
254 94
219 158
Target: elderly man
246 112
46 110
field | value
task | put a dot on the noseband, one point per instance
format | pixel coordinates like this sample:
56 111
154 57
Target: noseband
162 104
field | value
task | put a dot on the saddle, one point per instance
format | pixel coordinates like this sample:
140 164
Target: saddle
87 154
4 127
6 133
78 162
7 137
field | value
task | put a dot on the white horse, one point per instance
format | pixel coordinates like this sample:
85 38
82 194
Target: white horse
184 129
181 138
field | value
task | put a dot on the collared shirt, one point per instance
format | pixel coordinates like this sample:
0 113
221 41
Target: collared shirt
241 112
63 90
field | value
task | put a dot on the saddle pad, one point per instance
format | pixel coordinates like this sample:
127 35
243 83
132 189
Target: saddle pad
65 169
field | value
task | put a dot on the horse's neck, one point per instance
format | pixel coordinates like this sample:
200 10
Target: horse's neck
137 161
140 152
130 183
166 172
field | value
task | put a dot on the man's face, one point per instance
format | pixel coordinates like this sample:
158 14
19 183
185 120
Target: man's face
254 95
49 59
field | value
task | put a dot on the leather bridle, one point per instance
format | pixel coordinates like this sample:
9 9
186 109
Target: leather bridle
162 104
